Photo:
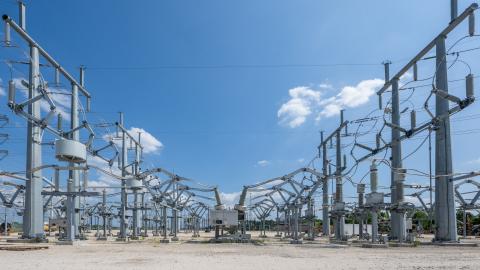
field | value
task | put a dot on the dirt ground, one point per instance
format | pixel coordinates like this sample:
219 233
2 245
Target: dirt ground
272 254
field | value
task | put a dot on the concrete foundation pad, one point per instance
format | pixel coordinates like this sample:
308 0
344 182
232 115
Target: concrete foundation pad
102 238
22 247
165 241
119 239
296 242
339 242
174 239
374 245
397 244
27 241
69 243
334 246
449 244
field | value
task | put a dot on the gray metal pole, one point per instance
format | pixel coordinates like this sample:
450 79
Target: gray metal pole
74 174
123 209
70 213
325 214
453 9
33 215
135 215
5 223
396 218
22 15
373 189
445 218
164 222
339 231
104 203
360 191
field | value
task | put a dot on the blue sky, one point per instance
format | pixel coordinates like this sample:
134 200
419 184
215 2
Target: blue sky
208 78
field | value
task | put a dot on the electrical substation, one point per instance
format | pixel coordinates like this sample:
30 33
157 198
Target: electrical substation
396 206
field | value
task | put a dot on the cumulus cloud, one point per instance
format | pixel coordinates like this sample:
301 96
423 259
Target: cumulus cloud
305 101
230 199
2 89
295 111
325 86
350 97
151 145
263 163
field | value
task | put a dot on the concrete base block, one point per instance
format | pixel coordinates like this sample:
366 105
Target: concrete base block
403 244
374 245
165 241
339 242
27 240
102 238
69 243
174 239
296 242
449 244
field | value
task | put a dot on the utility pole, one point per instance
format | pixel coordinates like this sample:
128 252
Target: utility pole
340 206
325 204
123 207
445 218
361 192
33 215
397 218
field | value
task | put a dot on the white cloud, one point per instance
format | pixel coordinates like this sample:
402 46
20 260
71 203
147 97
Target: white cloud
304 101
263 163
301 160
230 199
2 90
294 112
350 97
325 86
354 96
150 144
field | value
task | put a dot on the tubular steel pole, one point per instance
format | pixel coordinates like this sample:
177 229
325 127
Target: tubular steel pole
325 214
123 209
339 232
397 218
104 204
73 179
135 215
453 9
75 173
445 219
33 215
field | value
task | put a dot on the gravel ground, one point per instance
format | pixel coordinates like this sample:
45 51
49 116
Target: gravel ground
273 254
